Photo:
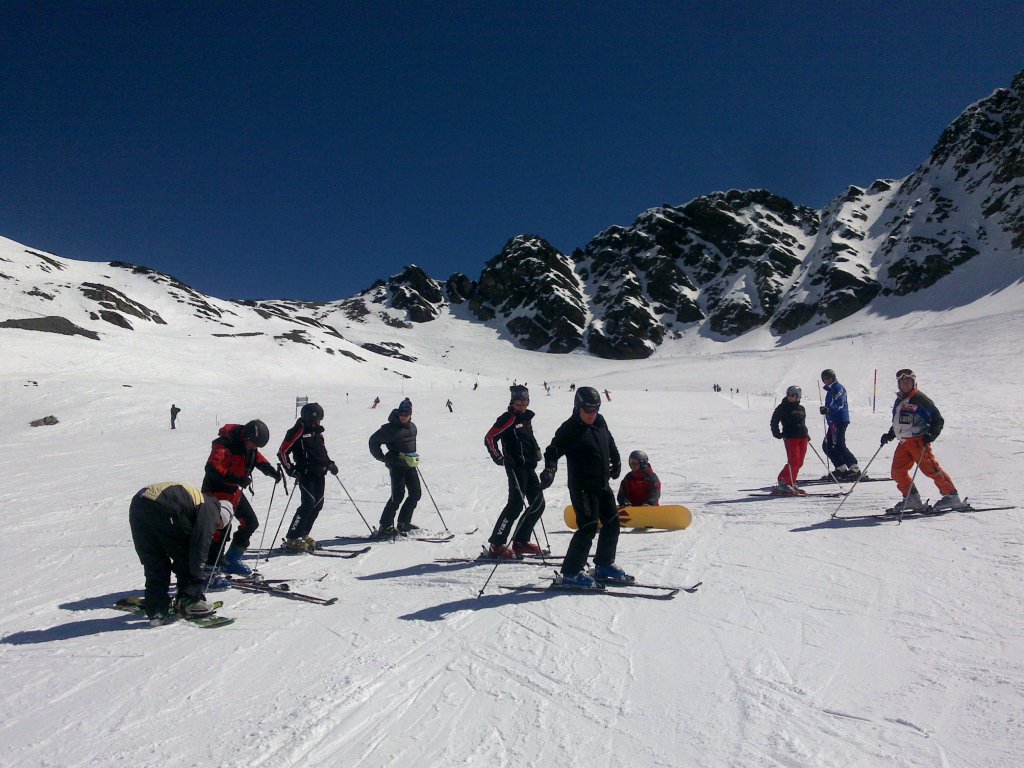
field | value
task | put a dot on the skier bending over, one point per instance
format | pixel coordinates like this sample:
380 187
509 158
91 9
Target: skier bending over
592 458
303 455
172 526
640 487
233 456
519 454
916 422
399 435
789 423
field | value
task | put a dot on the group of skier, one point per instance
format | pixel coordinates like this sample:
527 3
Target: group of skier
916 423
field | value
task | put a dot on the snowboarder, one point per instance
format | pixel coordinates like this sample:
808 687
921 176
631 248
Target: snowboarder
303 455
175 410
399 435
789 423
640 487
448 405
233 457
916 422
519 453
172 527
836 411
592 458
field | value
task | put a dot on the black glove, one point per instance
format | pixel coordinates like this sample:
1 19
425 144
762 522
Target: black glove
777 436
616 470
332 468
245 482
929 439
547 477
823 409
887 438
277 474
499 460
291 471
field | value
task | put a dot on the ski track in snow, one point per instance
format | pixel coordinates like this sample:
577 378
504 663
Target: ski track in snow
812 642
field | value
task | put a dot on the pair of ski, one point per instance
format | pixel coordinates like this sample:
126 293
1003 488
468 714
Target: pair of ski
137 606
318 551
927 511
545 558
609 588
278 588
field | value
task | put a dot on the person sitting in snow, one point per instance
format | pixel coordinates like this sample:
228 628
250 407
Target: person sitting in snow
233 456
172 527
789 423
640 487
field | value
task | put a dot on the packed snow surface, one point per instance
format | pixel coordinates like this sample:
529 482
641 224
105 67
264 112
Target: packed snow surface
812 642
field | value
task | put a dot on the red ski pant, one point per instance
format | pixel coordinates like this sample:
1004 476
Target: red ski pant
907 454
796 450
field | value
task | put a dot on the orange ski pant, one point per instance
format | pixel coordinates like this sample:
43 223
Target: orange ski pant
907 454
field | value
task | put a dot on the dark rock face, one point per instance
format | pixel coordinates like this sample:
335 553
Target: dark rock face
52 324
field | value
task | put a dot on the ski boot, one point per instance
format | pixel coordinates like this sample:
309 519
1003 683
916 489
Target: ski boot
215 580
499 552
310 541
526 548
785 489
194 607
612 574
295 546
579 580
912 503
407 528
385 532
949 502
232 562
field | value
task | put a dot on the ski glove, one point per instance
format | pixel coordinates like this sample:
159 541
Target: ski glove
499 460
928 439
547 477
823 409
616 470
332 468
291 471
886 438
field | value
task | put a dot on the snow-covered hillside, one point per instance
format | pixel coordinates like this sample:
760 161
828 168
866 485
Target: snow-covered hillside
811 642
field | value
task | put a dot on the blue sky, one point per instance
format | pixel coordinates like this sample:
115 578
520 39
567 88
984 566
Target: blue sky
302 150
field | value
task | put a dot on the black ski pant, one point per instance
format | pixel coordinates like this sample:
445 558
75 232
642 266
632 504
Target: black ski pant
311 490
163 549
835 445
522 481
592 505
247 524
402 479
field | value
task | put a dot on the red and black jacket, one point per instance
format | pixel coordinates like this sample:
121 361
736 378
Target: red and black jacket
640 487
515 433
230 465
308 451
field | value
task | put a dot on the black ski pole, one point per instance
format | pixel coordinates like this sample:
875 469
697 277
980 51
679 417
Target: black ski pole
827 469
281 473
368 527
216 562
418 472
527 507
857 481
283 515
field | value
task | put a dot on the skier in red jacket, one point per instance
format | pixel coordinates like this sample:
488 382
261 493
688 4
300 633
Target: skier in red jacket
640 487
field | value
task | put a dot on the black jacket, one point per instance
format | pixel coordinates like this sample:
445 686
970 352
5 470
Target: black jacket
195 515
397 437
792 418
589 451
515 433
303 448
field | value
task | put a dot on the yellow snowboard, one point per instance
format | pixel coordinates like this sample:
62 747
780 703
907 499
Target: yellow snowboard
669 516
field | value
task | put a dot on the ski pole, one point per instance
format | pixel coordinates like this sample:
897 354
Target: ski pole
368 527
272 492
278 531
493 570
910 490
418 472
216 562
527 507
827 468
857 481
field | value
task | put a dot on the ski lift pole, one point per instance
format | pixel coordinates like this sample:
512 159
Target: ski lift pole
863 474
424 480
368 526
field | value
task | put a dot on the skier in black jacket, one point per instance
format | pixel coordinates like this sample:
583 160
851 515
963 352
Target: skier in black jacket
592 458
519 454
399 435
789 423
303 455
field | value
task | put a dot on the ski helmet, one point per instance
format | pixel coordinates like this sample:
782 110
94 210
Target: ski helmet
641 457
828 373
405 407
519 394
587 398
794 390
311 412
256 431
906 373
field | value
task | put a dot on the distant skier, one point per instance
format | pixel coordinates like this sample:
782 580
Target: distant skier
233 457
175 410
592 458
789 423
399 435
519 453
917 423
376 402
448 405
607 395
836 411
640 487
172 527
303 455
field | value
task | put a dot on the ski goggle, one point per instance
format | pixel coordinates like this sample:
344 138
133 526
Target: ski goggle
595 409
905 373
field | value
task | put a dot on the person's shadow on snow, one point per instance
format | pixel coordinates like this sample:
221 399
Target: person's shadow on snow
82 628
441 612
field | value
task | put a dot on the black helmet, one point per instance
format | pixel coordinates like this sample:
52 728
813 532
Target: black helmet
828 373
518 393
641 457
256 431
794 390
311 412
587 397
